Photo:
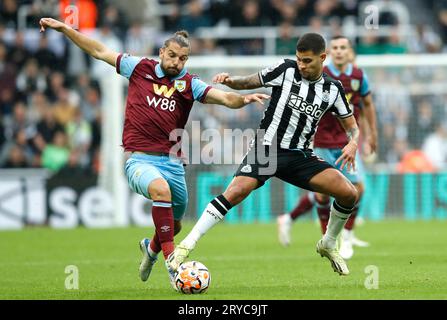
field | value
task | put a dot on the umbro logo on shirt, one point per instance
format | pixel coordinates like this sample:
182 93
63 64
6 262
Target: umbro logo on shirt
148 76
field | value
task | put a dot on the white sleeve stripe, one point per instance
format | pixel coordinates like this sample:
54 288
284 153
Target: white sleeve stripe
345 116
260 77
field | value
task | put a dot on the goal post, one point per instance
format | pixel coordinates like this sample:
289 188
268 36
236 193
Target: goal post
111 175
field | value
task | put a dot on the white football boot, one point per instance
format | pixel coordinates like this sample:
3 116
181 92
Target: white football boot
337 262
147 262
178 256
171 273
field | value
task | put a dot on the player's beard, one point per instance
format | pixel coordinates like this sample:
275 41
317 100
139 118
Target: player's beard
170 72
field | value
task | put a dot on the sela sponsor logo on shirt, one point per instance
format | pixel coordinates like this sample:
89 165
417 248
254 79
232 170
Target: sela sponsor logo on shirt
296 102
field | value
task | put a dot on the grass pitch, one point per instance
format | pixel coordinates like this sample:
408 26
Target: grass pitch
245 261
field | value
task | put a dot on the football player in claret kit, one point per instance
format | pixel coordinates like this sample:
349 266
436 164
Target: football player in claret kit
160 98
329 141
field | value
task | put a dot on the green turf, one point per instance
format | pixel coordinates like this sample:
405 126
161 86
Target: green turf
245 261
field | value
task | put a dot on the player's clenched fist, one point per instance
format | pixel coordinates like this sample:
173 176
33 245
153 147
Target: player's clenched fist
51 23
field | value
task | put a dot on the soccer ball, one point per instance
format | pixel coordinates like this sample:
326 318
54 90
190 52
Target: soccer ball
192 277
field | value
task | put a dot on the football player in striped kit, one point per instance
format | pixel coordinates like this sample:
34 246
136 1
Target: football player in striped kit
330 140
301 95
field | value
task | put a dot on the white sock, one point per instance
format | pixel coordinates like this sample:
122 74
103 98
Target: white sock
337 220
151 253
311 197
212 215
288 218
346 234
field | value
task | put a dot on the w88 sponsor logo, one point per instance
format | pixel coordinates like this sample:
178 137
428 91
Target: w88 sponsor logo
163 103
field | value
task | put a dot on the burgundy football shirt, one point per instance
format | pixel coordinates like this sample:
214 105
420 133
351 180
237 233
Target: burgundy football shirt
156 104
330 133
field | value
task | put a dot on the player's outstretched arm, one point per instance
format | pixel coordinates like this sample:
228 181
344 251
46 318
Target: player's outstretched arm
347 157
238 83
369 111
233 100
94 48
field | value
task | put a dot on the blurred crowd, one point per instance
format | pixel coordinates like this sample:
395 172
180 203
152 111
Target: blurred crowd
412 112
50 95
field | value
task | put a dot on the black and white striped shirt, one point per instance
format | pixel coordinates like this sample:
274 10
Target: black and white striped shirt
297 105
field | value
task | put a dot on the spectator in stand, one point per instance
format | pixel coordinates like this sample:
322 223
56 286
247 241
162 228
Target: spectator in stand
210 47
422 122
368 44
19 54
171 22
115 18
73 167
250 15
18 132
286 41
37 103
197 17
46 58
289 13
16 122
79 134
426 41
56 154
91 104
8 13
7 82
56 84
64 109
30 79
219 10
435 146
95 146
393 44
139 41
16 158
2 132
99 69
46 129
441 9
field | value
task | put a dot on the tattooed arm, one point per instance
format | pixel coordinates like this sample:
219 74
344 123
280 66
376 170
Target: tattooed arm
238 82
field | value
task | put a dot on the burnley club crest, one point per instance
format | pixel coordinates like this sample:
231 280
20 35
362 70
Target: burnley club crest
355 84
180 85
